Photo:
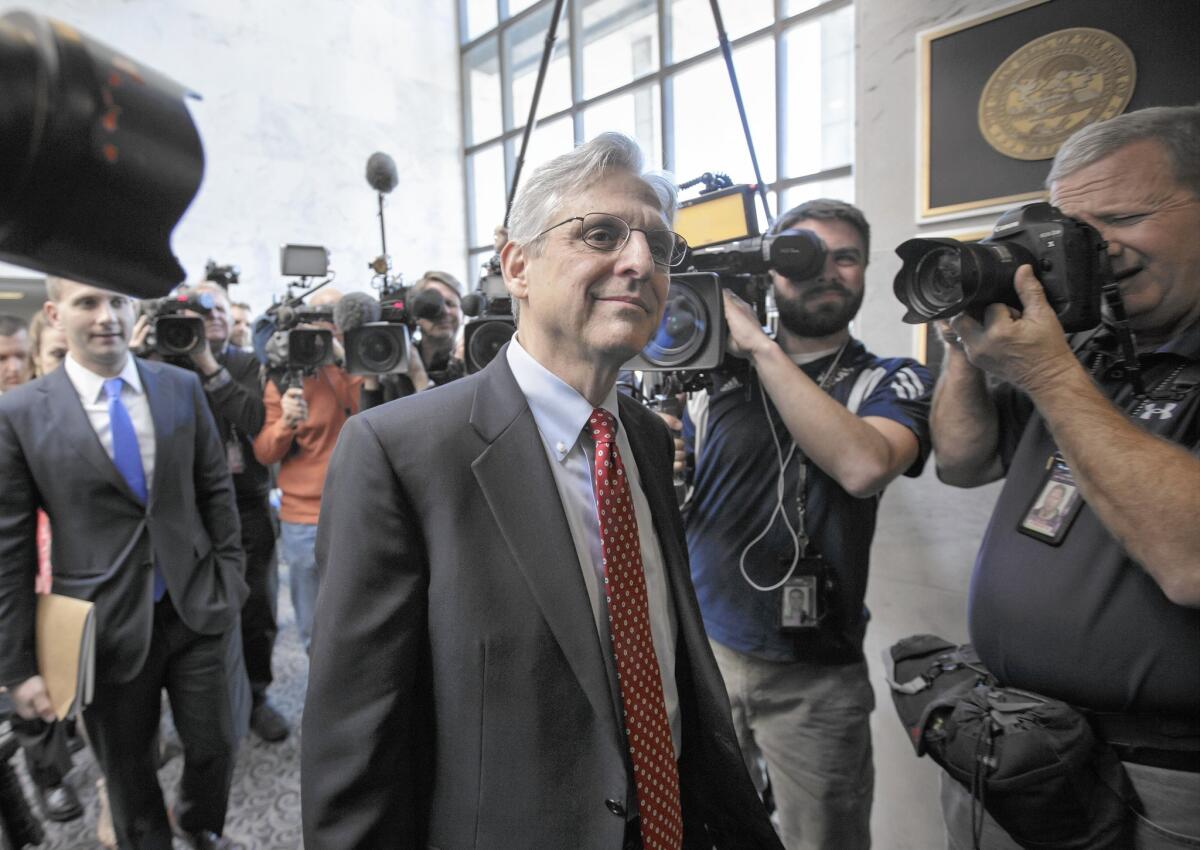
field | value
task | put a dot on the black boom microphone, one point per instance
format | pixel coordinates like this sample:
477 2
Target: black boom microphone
354 310
381 172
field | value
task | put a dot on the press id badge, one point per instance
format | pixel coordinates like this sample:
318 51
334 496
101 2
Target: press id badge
234 456
1054 506
799 597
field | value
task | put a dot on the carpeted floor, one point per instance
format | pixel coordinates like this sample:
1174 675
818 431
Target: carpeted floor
264 804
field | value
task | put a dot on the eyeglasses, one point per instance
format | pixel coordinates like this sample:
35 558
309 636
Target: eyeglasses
606 232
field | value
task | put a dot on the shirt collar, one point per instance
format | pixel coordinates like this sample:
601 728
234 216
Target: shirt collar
90 386
1185 345
559 411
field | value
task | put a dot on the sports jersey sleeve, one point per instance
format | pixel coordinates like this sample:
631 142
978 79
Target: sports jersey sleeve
899 389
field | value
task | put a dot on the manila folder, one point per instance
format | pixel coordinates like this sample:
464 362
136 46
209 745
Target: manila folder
66 651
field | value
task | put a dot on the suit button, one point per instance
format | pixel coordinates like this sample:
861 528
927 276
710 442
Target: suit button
616 807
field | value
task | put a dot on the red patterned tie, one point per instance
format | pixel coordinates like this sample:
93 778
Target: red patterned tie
647 730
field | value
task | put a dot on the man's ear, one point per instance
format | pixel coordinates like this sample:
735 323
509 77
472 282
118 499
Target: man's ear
514 262
50 309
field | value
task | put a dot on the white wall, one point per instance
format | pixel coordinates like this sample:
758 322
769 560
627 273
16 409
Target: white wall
928 533
296 95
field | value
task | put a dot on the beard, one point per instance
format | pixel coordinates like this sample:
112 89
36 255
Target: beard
825 319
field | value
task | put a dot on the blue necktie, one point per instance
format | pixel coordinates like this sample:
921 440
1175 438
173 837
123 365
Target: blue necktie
127 457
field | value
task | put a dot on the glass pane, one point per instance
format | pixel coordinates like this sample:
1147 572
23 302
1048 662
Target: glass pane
486 170
525 42
694 31
481 17
620 43
708 132
839 188
517 6
635 114
795 7
547 141
481 80
819 68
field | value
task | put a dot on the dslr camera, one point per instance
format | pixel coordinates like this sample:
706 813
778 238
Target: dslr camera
376 332
173 335
941 278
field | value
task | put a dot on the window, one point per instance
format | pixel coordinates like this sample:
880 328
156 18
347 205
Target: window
653 69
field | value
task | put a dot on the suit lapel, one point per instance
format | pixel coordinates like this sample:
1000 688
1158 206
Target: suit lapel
161 397
68 414
515 478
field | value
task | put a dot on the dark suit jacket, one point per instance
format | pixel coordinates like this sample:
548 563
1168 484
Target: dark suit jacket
457 690
104 540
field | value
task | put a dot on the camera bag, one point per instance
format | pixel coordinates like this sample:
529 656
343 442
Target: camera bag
1032 762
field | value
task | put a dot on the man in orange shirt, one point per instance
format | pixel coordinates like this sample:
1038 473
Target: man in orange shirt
301 429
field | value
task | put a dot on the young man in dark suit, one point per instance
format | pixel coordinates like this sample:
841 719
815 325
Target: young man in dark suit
508 650
124 457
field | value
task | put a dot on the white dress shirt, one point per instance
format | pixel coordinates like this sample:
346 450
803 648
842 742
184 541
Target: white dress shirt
560 413
90 388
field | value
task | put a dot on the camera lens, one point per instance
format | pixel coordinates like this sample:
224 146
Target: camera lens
938 282
308 348
487 338
682 331
178 334
379 349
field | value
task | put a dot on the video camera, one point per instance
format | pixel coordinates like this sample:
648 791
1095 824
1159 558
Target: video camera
223 276
941 278
172 335
376 332
727 253
293 348
491 323
99 159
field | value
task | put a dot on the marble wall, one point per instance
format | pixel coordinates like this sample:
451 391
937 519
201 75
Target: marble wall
296 96
928 533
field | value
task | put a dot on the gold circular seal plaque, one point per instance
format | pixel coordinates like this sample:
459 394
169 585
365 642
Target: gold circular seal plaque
1051 87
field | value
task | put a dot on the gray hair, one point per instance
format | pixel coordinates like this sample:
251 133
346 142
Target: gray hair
1176 128
828 209
12 325
550 185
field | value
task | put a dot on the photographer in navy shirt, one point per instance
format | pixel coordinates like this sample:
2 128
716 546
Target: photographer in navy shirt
790 461
1098 610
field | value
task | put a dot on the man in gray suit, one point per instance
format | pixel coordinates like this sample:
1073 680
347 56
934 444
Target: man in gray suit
508 651
124 457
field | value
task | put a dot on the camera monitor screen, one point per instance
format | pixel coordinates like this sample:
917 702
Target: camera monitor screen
304 261
717 217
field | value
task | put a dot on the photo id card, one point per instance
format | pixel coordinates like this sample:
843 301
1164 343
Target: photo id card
1054 506
799 600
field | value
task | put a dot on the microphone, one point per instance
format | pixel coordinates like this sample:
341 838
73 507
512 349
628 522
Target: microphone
381 172
429 304
355 309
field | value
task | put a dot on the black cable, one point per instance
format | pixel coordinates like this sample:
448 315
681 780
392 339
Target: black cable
537 95
737 96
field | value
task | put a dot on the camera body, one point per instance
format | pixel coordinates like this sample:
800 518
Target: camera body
172 335
941 278
300 349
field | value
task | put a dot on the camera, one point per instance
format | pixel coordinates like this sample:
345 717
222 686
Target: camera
941 278
376 333
731 255
491 323
300 349
172 335
223 276
99 159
